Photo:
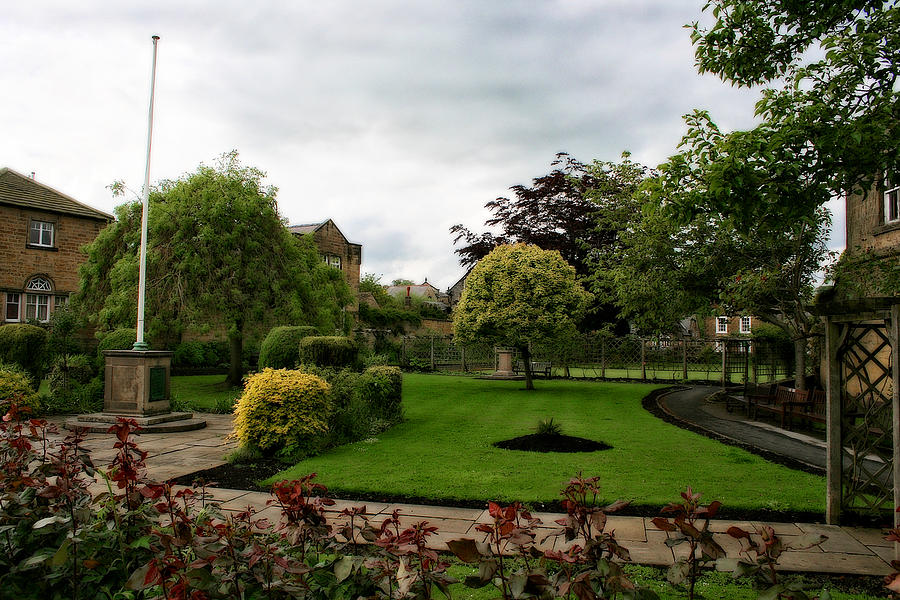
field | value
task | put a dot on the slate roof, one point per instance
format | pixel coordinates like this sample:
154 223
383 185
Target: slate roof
304 229
18 190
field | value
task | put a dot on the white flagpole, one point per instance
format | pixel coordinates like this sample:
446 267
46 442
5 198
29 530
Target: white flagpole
139 343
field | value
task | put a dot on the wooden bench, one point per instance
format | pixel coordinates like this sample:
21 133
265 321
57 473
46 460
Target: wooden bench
776 404
543 367
809 409
749 392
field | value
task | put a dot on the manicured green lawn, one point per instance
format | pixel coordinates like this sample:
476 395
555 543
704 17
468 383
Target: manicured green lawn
443 450
202 392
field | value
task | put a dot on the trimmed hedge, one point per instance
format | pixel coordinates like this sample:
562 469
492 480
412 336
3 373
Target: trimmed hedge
283 410
328 351
380 389
117 339
14 381
281 347
24 345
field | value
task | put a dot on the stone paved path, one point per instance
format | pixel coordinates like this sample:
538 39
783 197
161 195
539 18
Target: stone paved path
848 550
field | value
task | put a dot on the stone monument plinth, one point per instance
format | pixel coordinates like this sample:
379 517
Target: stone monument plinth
137 387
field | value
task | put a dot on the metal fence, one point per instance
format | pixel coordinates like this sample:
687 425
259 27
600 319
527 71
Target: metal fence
733 360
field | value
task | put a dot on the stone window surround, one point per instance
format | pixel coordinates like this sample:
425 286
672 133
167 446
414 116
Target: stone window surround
18 304
54 229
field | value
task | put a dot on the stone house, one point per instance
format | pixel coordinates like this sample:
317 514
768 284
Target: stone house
42 231
873 220
335 250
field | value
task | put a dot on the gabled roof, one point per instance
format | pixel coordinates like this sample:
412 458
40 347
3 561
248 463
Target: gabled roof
304 229
314 227
18 190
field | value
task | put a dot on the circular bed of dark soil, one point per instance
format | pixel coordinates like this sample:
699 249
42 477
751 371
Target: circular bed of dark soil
551 442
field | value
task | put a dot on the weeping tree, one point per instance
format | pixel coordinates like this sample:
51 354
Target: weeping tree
518 295
219 258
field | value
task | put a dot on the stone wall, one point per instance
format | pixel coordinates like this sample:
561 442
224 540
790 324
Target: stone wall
19 261
866 227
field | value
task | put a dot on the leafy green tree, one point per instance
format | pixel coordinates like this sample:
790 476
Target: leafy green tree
518 295
664 269
560 211
219 257
403 282
829 109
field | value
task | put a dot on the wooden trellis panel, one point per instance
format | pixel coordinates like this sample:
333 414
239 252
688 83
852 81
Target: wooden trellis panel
863 409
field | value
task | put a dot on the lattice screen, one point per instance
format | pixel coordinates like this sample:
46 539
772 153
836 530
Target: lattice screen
867 454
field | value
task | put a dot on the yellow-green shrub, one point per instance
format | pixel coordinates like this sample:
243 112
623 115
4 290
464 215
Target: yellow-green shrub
282 409
14 381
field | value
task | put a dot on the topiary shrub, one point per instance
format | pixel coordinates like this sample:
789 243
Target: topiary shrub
14 381
328 351
283 410
24 345
189 354
117 339
380 388
281 347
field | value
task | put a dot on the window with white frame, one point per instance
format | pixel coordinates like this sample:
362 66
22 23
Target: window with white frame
891 203
41 234
745 324
332 260
37 305
13 306
721 324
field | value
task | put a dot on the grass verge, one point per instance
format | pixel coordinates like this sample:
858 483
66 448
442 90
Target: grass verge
443 450
204 393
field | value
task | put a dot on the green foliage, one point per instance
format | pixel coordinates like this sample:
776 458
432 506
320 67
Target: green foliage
15 384
548 427
24 345
380 388
328 351
117 339
389 317
518 295
371 283
281 347
282 410
829 111
561 211
79 398
219 255
76 369
64 323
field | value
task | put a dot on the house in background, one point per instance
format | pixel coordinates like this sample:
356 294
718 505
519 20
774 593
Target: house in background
42 231
335 250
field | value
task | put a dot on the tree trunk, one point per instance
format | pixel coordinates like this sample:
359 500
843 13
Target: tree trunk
235 365
526 358
800 364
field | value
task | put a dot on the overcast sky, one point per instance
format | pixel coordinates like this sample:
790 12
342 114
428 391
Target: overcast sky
395 118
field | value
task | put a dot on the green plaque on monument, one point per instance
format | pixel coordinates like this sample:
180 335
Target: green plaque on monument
157 383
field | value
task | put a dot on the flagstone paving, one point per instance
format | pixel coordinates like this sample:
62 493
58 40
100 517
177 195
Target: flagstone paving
848 550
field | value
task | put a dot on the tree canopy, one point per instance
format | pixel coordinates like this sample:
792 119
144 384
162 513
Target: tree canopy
517 295
219 258
829 110
559 211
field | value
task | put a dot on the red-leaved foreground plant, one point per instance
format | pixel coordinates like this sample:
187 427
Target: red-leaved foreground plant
759 557
691 520
892 581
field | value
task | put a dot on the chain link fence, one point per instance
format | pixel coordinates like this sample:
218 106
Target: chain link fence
596 356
